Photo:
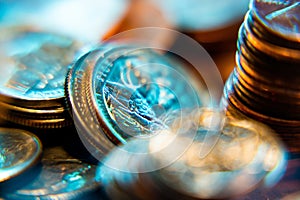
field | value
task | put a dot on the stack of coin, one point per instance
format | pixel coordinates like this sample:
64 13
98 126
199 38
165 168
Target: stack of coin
242 156
265 82
119 91
33 67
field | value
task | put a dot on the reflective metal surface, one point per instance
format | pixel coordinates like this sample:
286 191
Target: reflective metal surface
33 67
265 82
61 177
132 89
246 155
34 64
280 17
19 150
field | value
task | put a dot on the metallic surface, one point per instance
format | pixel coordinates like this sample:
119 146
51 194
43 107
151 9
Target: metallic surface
19 151
245 150
34 64
61 177
265 82
279 17
33 68
133 90
247 155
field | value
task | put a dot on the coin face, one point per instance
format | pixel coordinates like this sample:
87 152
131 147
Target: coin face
34 64
61 177
246 154
19 150
121 91
137 89
280 17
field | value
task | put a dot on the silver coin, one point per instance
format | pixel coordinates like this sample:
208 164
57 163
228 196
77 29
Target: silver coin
245 150
19 150
61 177
246 154
280 17
122 91
34 64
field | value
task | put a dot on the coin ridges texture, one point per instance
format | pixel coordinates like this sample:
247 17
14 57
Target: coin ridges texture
246 155
265 82
34 65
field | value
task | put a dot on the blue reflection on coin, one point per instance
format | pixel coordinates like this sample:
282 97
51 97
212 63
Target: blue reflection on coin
136 90
19 150
34 64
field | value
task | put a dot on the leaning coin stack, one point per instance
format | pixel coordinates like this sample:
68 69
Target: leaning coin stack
265 82
33 68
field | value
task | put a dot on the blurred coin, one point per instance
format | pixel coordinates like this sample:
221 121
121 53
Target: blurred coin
70 18
205 15
19 150
34 64
61 177
124 91
245 150
33 67
245 155
286 189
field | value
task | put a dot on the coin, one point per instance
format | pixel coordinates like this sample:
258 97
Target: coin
19 150
34 64
121 91
61 177
33 68
279 17
245 150
264 85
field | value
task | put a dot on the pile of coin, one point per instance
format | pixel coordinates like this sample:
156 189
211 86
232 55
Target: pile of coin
265 82
57 175
241 156
33 68
104 88
138 109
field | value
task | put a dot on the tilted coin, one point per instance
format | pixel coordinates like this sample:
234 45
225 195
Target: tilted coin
34 64
244 150
19 150
279 17
33 67
61 177
121 91
246 155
